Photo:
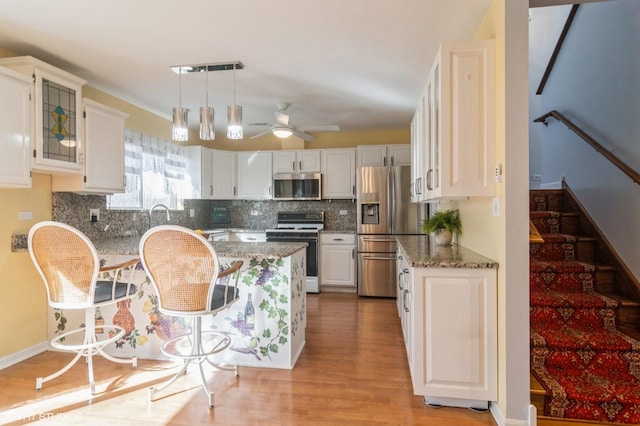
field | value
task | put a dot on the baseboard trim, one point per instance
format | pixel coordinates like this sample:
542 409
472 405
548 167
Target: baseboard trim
16 357
498 416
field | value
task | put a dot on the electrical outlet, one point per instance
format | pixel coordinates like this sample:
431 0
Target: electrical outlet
498 173
25 215
536 177
94 215
192 212
343 212
254 212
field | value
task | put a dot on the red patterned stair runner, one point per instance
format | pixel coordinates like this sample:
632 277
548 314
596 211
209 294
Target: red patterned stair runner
590 370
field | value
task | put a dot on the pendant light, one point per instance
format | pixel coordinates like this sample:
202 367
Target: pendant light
207 131
234 114
180 131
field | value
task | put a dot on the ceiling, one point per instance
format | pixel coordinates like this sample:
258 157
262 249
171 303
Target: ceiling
357 64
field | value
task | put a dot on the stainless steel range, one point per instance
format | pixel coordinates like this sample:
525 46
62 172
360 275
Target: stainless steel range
301 227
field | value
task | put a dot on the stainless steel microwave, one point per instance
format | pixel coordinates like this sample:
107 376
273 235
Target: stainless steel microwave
297 186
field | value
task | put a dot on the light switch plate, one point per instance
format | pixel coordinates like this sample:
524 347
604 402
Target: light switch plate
495 203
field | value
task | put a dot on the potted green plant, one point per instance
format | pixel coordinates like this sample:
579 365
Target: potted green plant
443 225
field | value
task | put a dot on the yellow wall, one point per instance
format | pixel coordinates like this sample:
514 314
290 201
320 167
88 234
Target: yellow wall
22 295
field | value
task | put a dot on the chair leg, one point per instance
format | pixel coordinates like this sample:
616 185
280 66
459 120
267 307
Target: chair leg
41 380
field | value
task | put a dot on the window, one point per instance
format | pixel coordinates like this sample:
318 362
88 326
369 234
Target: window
155 170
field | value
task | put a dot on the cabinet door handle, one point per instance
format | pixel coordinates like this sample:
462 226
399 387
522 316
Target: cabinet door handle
293 166
400 283
300 165
392 161
338 239
429 179
404 300
210 189
353 253
234 191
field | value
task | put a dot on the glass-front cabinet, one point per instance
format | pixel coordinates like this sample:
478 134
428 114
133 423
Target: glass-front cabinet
58 142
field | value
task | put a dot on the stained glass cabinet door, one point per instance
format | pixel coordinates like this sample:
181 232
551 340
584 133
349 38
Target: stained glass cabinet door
58 122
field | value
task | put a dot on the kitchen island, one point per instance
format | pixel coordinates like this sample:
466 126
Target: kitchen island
267 323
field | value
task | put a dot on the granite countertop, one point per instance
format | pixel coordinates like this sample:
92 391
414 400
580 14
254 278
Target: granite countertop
129 246
421 252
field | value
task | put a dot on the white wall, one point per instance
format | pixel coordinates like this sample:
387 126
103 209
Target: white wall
595 84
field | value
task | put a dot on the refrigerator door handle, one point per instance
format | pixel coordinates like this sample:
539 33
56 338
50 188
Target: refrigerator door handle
391 207
378 258
379 240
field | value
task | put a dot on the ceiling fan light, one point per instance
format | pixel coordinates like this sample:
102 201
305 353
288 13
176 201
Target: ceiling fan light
180 132
282 132
234 119
207 131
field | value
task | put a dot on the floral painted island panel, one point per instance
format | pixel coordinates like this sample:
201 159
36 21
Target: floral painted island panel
267 323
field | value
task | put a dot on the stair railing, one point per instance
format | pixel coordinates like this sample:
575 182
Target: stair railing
634 175
556 51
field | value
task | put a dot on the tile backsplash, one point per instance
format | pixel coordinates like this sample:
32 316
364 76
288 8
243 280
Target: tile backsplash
73 209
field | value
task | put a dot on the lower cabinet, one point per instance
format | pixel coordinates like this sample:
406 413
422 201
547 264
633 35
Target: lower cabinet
449 321
338 262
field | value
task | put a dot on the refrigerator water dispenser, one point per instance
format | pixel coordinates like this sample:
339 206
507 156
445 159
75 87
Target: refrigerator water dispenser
370 214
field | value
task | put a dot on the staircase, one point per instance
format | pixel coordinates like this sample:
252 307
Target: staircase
584 319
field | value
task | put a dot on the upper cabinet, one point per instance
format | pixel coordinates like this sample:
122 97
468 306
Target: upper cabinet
58 145
213 173
15 129
384 155
302 161
255 174
338 173
457 133
103 153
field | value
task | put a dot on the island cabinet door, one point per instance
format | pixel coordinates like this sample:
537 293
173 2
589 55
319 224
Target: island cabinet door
456 329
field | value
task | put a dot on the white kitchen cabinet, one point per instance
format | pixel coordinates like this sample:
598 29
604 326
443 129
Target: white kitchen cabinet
300 161
384 155
338 173
458 131
104 129
213 173
16 129
404 301
418 127
451 323
338 262
254 175
57 110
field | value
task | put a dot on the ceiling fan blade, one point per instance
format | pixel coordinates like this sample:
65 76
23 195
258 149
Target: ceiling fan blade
307 137
321 128
259 124
266 132
281 118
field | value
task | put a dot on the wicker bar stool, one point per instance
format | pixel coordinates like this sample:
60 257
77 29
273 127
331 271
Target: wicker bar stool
69 265
184 269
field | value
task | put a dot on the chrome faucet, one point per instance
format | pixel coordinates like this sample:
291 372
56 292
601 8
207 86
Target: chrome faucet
156 206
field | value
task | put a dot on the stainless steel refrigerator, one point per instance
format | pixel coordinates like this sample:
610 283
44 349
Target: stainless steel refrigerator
384 210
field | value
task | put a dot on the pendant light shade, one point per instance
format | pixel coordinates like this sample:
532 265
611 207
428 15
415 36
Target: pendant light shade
207 131
234 114
180 131
234 117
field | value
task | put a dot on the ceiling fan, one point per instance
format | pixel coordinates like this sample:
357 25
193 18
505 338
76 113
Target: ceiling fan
283 128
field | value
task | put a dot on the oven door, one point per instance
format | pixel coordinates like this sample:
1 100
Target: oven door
312 248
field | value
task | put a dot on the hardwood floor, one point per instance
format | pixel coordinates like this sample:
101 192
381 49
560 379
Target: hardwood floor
352 371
